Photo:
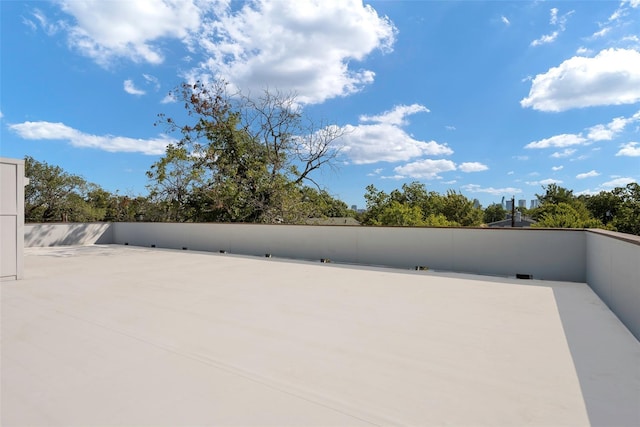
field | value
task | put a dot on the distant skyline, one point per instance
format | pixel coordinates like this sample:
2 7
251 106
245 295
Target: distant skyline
492 99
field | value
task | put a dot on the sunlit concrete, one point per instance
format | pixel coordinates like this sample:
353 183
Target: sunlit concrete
116 335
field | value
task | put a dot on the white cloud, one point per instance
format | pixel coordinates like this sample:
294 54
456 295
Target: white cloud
505 20
564 153
556 21
612 129
631 149
589 174
603 32
41 20
152 80
426 168
612 77
557 168
310 47
472 167
385 140
396 116
1 115
474 188
583 51
449 127
545 182
104 30
617 182
59 131
130 88
563 140
545 39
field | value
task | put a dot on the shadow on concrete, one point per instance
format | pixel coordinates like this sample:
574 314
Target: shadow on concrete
606 357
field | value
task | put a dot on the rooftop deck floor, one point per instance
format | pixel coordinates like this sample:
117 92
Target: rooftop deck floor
118 335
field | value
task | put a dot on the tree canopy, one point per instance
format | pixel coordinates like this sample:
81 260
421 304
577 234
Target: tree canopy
414 205
242 158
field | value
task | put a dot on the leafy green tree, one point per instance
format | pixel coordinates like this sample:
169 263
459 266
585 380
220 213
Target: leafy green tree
626 219
54 195
564 215
561 208
396 213
402 207
555 194
494 212
253 155
460 210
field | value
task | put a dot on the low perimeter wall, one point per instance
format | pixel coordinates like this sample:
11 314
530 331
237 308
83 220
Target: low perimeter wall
613 272
609 262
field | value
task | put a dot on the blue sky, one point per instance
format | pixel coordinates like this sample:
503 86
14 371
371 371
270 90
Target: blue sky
491 99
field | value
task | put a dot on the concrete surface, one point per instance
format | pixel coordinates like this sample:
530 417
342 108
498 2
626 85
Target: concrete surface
114 335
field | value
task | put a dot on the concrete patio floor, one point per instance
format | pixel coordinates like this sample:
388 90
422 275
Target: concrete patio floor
119 335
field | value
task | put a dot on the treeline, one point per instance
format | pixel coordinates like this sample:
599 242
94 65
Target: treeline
413 205
53 194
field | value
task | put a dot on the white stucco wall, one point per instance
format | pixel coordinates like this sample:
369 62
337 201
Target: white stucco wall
544 254
67 234
613 272
11 218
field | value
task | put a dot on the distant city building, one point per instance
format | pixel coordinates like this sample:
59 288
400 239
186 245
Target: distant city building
509 205
534 204
354 207
520 221
522 203
476 203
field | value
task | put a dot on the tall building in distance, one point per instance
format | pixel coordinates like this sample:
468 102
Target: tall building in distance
509 205
522 203
534 204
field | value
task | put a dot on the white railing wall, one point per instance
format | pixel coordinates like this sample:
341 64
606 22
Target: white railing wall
544 254
67 234
613 272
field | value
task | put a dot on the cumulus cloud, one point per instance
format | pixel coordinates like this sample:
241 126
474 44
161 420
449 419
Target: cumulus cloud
557 21
59 131
474 188
472 167
617 182
557 168
589 174
564 140
612 77
631 149
104 30
505 20
130 88
426 168
384 140
309 47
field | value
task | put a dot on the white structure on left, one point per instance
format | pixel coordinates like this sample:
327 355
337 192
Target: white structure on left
12 183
